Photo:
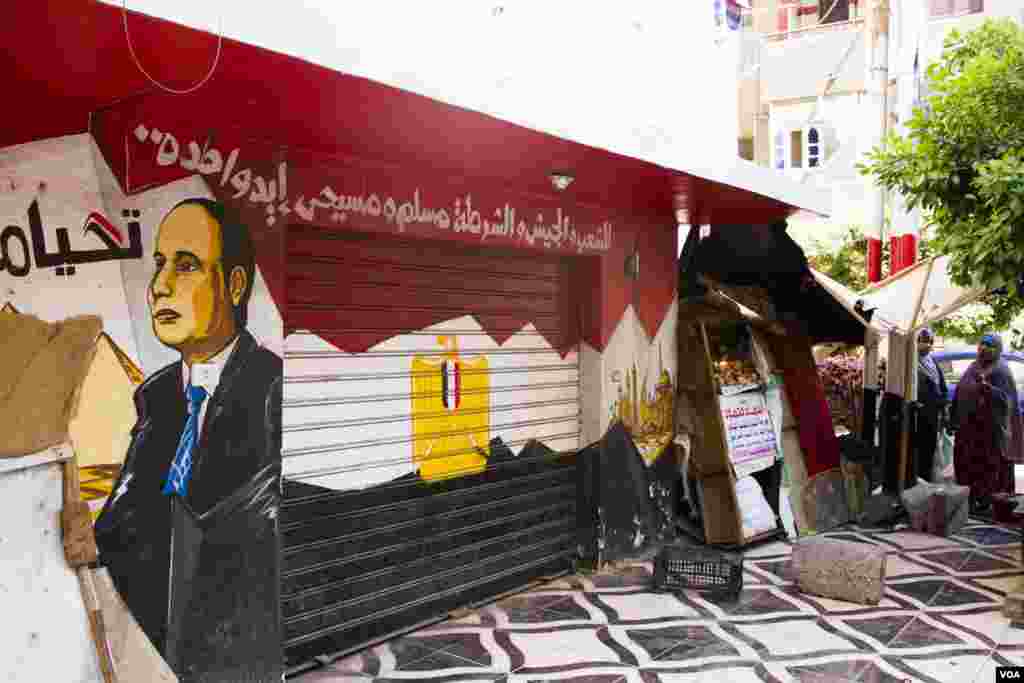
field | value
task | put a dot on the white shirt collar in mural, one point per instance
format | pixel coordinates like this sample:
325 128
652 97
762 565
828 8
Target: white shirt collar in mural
207 375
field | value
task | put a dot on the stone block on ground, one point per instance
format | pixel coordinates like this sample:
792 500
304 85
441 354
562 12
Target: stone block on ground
1013 607
939 509
843 570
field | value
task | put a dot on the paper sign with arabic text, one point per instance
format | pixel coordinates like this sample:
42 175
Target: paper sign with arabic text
750 433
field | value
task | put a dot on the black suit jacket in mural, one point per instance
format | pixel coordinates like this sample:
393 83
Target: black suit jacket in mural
201 574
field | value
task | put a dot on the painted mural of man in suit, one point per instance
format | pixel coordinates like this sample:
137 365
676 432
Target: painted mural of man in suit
190 533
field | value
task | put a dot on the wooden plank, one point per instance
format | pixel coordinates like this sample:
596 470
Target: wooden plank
722 520
920 298
80 551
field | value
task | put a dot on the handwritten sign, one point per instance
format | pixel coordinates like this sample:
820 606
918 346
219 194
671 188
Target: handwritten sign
460 215
16 256
750 432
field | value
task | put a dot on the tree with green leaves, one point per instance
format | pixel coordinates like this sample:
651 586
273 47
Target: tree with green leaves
845 261
962 161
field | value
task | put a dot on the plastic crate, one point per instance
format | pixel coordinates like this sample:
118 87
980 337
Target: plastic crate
679 568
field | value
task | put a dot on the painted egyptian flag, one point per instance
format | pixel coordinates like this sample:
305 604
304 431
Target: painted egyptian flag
451 400
111 235
451 384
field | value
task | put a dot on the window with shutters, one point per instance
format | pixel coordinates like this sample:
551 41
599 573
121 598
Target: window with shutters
799 147
813 148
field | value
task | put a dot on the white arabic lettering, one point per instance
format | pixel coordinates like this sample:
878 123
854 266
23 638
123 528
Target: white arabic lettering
560 233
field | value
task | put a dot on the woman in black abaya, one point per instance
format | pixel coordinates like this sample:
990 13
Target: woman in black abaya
986 417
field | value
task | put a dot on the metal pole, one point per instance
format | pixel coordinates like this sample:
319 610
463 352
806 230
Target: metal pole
876 28
905 223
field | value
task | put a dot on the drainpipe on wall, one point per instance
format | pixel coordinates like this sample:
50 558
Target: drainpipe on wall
876 27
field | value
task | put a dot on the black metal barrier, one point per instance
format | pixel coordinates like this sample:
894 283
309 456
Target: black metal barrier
362 566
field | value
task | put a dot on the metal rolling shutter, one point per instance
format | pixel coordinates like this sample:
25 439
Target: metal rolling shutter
370 548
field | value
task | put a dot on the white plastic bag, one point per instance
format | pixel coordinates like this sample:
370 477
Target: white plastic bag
943 470
757 515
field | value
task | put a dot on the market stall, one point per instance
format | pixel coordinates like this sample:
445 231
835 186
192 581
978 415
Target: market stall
749 394
899 308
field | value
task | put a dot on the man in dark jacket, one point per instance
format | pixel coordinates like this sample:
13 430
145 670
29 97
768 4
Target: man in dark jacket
931 394
190 534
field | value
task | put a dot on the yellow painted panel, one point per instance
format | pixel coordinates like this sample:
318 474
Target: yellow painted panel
450 442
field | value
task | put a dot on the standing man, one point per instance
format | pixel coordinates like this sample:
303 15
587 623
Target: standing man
931 394
190 534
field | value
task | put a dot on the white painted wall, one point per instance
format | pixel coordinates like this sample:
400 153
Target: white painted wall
369 442
60 174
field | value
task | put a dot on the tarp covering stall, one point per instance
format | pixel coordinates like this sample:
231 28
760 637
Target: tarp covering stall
897 309
917 296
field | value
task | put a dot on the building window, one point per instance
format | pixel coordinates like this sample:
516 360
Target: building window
799 148
813 148
796 148
948 8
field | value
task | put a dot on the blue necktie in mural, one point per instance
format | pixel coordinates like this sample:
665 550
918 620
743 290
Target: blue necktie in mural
181 468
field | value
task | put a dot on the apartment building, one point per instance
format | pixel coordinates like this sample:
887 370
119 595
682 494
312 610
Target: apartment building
804 105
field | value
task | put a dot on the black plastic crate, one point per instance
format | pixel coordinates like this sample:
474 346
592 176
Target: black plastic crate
682 567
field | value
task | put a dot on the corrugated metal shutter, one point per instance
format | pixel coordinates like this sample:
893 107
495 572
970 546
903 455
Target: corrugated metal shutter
435 349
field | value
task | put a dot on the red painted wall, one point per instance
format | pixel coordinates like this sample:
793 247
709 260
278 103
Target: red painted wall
267 183
72 71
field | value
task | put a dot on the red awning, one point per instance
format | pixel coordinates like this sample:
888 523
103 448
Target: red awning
73 65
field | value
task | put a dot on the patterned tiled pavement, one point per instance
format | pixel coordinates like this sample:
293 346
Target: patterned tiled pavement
939 620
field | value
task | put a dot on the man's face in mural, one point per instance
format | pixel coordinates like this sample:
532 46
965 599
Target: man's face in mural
190 300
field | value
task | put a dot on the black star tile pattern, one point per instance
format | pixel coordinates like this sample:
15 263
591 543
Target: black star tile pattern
924 591
951 559
772 632
531 608
435 661
919 633
939 593
955 595
882 628
599 678
760 602
437 652
466 646
834 672
409 651
681 642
